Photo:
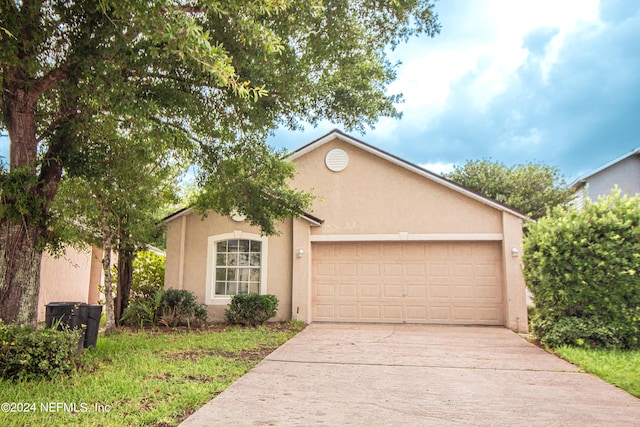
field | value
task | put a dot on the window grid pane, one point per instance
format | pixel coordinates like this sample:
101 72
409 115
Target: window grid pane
237 267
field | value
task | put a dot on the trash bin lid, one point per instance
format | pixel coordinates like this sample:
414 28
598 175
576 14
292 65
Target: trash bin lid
65 303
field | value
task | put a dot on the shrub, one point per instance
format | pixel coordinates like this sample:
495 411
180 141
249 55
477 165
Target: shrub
143 311
148 275
28 353
180 307
146 290
582 269
251 309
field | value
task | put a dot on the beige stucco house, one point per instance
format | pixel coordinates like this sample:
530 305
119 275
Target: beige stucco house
387 241
73 276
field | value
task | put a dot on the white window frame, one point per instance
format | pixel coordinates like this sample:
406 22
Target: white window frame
210 297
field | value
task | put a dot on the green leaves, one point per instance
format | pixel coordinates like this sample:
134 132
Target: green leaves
580 266
531 188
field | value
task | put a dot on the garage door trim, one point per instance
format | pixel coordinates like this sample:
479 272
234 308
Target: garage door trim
403 236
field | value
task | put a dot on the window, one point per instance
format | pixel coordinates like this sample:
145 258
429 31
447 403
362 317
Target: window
238 267
236 264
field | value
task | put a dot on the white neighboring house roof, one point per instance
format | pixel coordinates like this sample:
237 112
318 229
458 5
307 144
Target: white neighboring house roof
583 179
406 165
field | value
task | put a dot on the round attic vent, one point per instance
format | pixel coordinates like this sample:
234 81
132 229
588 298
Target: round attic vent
336 160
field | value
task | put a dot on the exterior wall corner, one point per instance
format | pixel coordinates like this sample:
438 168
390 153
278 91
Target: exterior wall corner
515 288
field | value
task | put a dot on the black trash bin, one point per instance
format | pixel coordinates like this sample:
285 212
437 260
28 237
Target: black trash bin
76 315
61 313
93 314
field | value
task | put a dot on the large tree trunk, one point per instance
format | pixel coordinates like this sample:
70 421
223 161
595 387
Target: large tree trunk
106 266
20 255
20 260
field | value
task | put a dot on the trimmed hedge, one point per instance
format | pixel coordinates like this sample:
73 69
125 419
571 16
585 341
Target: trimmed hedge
582 267
251 309
28 353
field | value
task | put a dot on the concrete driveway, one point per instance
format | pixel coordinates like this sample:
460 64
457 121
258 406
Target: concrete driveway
400 375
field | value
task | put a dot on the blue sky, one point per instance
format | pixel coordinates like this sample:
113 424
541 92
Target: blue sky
516 81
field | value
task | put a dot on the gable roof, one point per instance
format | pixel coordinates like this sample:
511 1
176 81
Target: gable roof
583 179
406 165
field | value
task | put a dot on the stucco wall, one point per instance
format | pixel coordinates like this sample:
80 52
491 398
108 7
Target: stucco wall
374 196
194 259
515 290
65 278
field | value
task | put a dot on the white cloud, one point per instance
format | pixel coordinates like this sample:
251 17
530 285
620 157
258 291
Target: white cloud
438 167
490 59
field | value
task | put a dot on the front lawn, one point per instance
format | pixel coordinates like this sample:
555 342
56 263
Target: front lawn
151 378
621 368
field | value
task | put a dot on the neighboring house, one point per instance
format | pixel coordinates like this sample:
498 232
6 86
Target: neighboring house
73 276
623 172
387 242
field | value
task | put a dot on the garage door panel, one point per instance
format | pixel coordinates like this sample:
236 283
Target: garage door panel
372 250
371 312
441 291
416 282
415 270
488 292
489 314
392 270
438 270
393 291
392 313
370 290
325 269
370 270
463 270
439 314
391 249
347 290
325 312
417 314
347 312
463 292
325 290
416 291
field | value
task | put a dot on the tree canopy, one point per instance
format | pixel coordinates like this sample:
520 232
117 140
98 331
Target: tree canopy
207 80
530 188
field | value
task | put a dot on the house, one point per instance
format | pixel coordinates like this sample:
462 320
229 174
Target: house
387 242
74 276
623 172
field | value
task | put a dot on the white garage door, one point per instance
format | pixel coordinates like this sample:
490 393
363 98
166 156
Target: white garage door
412 282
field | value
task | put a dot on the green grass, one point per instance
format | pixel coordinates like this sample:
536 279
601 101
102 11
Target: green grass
144 378
618 367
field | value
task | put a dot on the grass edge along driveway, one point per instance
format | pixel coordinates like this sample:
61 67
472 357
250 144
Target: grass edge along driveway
153 378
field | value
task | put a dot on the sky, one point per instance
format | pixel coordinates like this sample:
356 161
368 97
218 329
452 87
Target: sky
515 81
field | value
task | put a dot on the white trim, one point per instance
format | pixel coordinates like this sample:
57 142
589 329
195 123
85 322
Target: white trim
404 236
404 164
209 297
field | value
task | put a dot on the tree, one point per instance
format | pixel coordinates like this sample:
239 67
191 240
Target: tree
112 199
530 188
209 79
